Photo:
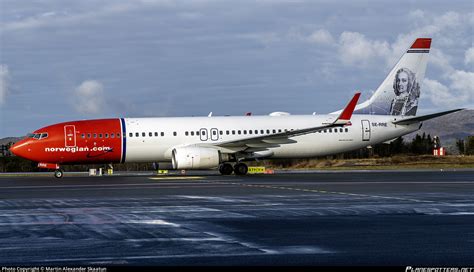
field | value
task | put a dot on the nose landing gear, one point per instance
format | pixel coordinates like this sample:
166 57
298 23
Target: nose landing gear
58 173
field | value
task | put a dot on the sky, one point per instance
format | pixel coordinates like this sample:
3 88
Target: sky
72 60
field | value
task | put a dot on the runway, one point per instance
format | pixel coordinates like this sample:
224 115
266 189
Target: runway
349 218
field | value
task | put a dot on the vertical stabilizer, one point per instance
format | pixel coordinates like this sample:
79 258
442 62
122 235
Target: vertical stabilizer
399 92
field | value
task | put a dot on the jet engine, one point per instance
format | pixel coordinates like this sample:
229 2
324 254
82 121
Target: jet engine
196 158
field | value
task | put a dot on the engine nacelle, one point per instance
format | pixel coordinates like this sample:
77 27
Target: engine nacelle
195 158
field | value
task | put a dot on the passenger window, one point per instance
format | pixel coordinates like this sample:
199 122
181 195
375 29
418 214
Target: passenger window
268 131
137 134
245 131
100 135
174 133
197 133
106 135
162 134
156 134
192 133
262 131
325 131
239 132
256 131
335 130
150 134
330 130
112 135
130 134
221 132
347 130
186 133
83 136
227 132
95 135
340 130
279 130
250 131
274 131
233 132
88 135
118 135
143 134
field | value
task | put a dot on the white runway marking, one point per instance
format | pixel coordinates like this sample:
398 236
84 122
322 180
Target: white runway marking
153 222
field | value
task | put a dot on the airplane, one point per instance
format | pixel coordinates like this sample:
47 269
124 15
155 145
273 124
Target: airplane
226 142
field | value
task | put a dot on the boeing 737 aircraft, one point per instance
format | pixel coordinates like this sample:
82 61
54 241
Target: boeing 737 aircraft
226 142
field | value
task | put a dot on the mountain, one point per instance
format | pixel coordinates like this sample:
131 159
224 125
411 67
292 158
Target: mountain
7 140
448 128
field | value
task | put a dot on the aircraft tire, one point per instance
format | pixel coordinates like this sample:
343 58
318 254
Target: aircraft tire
226 169
241 169
58 174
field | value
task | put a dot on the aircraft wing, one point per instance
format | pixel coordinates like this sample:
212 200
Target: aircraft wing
257 143
416 119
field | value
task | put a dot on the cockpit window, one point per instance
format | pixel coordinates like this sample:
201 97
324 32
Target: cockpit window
37 136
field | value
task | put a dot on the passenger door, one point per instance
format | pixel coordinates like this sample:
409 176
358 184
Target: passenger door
365 130
70 136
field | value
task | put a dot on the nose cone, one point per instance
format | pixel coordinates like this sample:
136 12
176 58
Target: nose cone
20 148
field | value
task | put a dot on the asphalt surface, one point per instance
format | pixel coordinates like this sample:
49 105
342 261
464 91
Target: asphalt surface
351 218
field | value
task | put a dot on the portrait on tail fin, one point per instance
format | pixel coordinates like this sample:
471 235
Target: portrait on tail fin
407 92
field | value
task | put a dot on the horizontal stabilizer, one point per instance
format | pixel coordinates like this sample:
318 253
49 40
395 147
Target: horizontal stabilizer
412 120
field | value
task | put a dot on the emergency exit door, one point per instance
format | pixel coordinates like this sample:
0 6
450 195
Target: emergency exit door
70 136
365 130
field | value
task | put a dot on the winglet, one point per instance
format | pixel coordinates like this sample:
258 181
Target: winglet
346 114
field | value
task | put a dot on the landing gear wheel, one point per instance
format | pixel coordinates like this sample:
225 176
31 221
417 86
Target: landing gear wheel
226 169
241 169
58 173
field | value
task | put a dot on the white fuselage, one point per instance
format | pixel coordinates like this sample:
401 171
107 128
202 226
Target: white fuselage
150 145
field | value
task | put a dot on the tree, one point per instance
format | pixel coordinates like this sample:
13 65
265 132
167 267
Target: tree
469 145
460 146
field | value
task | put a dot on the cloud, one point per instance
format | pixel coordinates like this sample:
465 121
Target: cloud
321 36
4 83
459 92
469 56
439 94
463 81
62 18
355 48
89 97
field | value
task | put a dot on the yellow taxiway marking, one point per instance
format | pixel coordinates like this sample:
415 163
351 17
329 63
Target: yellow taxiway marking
180 178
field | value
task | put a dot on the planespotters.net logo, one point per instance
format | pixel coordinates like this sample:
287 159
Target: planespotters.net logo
78 149
439 269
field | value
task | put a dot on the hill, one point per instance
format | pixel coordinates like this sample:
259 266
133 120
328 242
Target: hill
448 128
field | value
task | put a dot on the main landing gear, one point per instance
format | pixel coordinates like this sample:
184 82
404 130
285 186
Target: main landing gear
239 169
